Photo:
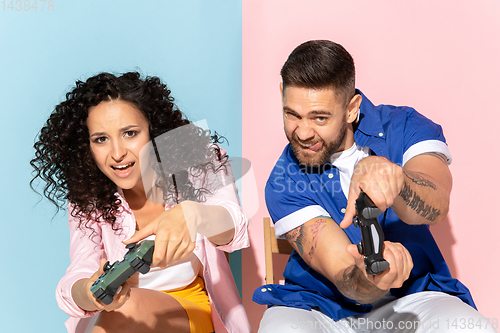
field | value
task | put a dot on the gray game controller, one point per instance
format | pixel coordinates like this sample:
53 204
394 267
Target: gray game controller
138 258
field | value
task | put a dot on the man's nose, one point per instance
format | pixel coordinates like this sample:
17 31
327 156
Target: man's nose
304 130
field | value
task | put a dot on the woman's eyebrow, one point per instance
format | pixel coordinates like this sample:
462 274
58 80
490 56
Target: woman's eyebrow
126 128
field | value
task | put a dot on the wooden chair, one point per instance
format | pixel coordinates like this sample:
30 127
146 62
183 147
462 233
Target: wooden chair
273 246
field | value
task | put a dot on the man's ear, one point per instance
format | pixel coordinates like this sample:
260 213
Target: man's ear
281 89
353 108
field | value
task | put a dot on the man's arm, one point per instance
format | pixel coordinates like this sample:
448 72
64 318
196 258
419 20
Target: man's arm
419 192
326 248
425 195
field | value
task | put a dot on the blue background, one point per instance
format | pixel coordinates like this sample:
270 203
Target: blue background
192 45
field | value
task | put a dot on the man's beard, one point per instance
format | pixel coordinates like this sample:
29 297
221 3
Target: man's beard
316 159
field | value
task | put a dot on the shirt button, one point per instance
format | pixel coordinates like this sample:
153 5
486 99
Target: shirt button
330 175
263 290
381 134
343 210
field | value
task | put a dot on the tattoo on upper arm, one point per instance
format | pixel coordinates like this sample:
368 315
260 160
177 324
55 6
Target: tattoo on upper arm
298 238
441 156
414 201
419 180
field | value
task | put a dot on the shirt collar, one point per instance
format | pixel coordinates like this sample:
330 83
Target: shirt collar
369 118
124 205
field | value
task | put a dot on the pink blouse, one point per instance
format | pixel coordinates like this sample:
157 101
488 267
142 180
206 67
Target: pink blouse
86 251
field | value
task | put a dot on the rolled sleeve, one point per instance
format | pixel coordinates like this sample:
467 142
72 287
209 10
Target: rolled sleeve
85 255
226 196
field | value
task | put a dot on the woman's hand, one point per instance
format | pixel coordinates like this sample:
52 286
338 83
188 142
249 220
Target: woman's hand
85 299
175 236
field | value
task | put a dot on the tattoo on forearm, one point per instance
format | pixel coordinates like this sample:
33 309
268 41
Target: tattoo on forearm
414 201
295 238
315 229
443 158
353 284
298 238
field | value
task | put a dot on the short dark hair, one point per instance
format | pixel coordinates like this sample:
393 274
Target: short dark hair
319 64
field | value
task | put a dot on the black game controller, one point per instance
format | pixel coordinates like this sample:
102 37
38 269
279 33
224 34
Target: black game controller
372 243
138 258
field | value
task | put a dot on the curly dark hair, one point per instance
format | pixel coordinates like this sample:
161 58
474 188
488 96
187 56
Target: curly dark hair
64 161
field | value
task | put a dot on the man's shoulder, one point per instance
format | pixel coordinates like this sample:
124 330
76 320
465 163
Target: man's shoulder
388 113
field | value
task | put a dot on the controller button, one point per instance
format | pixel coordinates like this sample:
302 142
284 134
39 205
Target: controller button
360 248
98 293
130 246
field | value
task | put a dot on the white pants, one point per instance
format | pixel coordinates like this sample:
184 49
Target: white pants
429 312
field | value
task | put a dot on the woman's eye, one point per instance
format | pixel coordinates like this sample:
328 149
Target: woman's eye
99 139
130 133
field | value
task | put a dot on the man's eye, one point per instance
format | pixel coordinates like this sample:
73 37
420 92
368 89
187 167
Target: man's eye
291 116
320 119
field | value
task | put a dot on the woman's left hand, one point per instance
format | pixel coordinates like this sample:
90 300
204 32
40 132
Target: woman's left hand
175 237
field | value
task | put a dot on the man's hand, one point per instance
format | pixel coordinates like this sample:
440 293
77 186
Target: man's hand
380 179
320 239
400 262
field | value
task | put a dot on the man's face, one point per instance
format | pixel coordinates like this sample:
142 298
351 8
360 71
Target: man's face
315 123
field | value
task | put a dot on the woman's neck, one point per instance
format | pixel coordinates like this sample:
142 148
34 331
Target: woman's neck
136 197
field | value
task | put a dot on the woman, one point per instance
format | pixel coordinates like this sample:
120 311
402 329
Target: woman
89 154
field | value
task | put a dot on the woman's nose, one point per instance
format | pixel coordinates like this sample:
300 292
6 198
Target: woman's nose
118 151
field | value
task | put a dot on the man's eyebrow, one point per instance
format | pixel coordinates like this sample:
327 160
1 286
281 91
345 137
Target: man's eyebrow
314 112
321 112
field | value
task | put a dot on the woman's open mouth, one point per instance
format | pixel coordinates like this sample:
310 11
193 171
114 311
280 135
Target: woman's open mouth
123 170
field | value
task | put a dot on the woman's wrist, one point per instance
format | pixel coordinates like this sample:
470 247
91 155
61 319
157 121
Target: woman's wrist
81 295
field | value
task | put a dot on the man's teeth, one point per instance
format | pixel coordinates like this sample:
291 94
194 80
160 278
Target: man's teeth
122 166
307 146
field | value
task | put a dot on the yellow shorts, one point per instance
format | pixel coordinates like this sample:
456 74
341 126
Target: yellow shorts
194 299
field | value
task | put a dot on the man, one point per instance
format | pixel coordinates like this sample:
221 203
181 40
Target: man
342 145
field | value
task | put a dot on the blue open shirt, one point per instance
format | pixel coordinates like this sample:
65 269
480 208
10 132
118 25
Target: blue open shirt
295 195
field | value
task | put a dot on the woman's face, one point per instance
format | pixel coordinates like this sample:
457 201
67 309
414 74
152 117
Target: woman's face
117 132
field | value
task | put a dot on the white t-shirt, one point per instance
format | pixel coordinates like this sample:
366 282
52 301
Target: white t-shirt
175 276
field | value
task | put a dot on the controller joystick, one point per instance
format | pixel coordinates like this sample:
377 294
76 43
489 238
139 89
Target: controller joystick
106 267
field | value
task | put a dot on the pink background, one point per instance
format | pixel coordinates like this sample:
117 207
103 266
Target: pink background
441 57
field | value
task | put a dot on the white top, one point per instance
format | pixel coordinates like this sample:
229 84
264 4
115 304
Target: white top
175 276
345 161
